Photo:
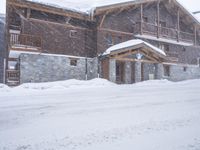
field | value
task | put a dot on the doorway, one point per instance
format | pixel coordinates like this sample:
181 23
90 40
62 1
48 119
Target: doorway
120 70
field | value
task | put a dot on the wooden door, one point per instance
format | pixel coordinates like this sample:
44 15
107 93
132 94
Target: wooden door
120 72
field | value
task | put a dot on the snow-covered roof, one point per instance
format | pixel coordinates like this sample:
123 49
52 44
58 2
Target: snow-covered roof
130 44
162 40
2 18
190 8
197 16
85 6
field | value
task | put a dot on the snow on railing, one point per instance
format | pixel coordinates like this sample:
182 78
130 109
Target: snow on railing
25 40
164 32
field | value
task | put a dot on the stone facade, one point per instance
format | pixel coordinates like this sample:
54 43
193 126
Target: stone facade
146 71
112 70
46 68
180 73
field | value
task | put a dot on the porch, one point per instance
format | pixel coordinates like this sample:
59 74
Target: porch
133 61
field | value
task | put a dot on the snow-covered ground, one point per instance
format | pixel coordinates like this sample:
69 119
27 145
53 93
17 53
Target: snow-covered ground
99 115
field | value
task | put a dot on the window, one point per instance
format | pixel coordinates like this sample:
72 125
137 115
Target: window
163 24
166 70
73 62
73 34
184 69
164 47
145 19
118 39
109 40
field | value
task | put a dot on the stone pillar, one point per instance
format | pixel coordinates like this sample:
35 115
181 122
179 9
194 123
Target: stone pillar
128 72
112 70
159 71
138 72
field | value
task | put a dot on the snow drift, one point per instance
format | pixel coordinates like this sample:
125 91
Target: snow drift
97 114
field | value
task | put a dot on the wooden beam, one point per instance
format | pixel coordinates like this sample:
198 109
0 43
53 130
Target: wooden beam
195 34
112 7
148 56
12 59
102 20
28 13
131 52
158 19
136 60
65 25
141 19
178 24
48 9
115 31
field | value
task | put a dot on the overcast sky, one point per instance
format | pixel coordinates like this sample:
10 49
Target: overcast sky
192 5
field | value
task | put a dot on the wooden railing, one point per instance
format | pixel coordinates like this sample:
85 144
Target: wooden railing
163 32
24 40
13 75
172 56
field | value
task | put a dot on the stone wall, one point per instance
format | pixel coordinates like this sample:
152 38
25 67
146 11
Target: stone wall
45 68
185 54
180 73
148 71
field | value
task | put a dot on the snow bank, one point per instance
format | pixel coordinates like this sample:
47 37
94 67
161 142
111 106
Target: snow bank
66 84
4 88
152 115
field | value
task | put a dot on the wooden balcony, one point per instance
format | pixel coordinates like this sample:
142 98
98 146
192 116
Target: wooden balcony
145 28
25 42
172 56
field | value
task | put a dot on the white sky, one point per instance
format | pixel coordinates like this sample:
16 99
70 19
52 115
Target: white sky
192 5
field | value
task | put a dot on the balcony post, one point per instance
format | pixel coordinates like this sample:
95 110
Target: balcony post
28 13
195 34
141 19
178 25
158 19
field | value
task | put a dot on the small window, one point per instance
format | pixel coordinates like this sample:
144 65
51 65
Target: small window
73 34
166 70
145 19
73 62
184 69
161 24
118 39
109 40
164 47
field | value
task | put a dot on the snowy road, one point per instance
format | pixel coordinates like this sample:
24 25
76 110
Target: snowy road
98 115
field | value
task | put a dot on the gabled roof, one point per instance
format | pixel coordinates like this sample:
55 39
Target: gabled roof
136 50
131 44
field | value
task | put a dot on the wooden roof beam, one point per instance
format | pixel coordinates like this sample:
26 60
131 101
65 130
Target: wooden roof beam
112 7
48 9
